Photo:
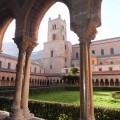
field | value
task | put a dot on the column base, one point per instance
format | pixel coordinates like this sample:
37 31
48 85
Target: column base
16 114
27 114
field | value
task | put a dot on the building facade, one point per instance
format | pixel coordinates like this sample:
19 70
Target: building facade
59 55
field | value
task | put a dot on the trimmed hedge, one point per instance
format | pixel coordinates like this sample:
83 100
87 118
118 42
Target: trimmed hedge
55 111
115 94
33 90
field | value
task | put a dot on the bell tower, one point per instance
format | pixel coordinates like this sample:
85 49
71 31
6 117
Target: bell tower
57 29
55 49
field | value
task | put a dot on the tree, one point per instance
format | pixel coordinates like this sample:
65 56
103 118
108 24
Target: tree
74 70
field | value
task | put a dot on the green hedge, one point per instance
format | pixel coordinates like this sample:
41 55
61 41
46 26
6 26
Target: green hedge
55 111
106 88
33 90
115 95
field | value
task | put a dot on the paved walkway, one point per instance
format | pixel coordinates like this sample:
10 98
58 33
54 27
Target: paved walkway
4 114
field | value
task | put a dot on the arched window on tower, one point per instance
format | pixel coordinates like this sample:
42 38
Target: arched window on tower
62 27
0 64
76 55
102 51
63 37
51 53
9 65
54 37
54 27
111 51
65 47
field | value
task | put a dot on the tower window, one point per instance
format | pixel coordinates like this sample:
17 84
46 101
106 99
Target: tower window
112 51
65 46
54 37
102 51
76 55
63 37
50 66
65 59
54 27
51 53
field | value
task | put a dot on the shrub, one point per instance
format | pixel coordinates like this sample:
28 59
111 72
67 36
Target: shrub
115 95
55 111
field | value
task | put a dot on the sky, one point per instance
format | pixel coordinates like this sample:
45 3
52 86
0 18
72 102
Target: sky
110 17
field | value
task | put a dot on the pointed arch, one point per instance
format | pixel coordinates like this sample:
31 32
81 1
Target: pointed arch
31 27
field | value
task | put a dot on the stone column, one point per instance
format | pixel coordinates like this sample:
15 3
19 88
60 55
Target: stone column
25 89
86 87
16 113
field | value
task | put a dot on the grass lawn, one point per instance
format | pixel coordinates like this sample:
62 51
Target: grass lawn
102 99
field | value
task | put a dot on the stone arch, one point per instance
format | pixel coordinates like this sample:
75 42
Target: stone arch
117 82
101 82
111 82
7 16
31 27
106 82
97 82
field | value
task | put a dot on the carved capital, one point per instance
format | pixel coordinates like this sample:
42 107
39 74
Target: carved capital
31 46
86 32
25 44
90 31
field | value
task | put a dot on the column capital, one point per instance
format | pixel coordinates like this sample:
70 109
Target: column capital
31 46
25 44
86 32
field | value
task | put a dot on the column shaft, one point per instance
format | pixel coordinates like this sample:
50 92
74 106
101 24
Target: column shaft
25 90
86 98
16 112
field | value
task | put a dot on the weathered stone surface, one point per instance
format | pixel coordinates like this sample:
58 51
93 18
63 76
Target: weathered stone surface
3 115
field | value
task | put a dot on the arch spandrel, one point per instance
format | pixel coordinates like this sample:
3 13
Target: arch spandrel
6 17
82 11
35 14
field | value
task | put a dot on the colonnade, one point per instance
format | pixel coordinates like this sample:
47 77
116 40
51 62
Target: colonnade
20 108
106 82
97 82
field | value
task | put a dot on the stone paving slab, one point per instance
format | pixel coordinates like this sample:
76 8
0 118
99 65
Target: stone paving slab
5 114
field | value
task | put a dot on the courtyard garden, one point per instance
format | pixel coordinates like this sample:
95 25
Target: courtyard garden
60 103
101 98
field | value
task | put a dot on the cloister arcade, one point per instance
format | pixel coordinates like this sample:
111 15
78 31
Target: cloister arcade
85 17
7 78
